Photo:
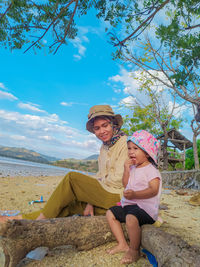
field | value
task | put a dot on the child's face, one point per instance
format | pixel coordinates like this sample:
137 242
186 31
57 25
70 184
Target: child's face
137 155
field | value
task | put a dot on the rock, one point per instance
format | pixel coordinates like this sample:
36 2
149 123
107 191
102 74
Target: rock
181 192
195 200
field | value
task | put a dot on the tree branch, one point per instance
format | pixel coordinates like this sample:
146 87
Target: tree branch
192 27
59 14
143 23
3 15
71 19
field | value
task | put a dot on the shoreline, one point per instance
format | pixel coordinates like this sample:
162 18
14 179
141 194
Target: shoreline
180 218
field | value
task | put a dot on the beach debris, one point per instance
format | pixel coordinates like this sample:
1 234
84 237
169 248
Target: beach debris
173 216
163 207
195 200
18 237
166 191
36 201
181 192
9 212
150 257
40 184
38 253
158 222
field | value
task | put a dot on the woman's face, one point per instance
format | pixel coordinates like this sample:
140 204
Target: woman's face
103 129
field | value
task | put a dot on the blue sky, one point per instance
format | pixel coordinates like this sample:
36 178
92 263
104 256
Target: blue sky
45 99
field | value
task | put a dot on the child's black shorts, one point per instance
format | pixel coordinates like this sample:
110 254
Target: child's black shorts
120 214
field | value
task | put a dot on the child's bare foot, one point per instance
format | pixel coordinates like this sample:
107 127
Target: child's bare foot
130 256
118 248
4 219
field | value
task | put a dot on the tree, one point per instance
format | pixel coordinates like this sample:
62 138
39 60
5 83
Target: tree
163 67
157 116
189 162
25 22
20 237
195 125
140 119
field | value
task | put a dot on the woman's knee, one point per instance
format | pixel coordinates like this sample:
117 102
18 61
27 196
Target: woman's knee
70 175
73 175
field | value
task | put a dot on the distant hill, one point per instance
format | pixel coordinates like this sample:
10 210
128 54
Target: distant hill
25 154
89 164
95 156
75 164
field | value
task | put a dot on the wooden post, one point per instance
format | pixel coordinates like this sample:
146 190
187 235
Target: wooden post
184 156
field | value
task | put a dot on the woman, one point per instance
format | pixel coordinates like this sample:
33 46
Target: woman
82 194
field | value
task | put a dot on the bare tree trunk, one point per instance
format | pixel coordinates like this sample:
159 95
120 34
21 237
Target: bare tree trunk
165 154
18 237
195 152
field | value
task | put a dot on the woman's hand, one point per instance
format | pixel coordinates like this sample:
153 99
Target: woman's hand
89 210
129 194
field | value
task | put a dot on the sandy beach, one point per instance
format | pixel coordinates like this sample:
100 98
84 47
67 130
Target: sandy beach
179 218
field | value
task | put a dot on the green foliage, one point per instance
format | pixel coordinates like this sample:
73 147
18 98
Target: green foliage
141 119
189 161
144 118
26 22
155 117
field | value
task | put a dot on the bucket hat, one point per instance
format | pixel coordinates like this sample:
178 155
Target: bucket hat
102 110
147 142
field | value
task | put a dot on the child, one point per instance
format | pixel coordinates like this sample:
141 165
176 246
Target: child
140 201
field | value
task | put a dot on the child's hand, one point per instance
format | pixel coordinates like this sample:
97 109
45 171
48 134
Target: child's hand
128 163
129 194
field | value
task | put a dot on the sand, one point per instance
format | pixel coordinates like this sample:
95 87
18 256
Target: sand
179 217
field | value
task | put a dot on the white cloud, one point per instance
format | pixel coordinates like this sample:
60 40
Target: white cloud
92 145
69 104
46 134
132 81
18 137
78 43
46 137
128 101
126 79
6 95
30 106
180 109
77 57
2 86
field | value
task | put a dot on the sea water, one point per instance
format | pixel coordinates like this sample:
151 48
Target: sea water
17 167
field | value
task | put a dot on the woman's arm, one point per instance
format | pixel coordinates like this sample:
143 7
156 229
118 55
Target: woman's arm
149 192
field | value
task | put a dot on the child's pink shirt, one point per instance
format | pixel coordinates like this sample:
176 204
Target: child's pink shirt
139 180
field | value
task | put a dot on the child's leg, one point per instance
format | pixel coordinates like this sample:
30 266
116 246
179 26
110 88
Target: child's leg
134 233
118 233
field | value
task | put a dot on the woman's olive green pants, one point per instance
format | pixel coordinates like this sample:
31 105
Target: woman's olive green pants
72 195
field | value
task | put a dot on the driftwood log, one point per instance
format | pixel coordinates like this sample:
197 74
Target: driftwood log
18 237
